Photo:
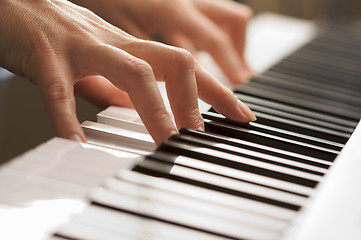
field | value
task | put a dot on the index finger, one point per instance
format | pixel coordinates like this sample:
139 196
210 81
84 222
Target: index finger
136 77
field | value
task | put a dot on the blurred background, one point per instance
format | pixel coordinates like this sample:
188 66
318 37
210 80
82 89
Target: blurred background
24 124
308 9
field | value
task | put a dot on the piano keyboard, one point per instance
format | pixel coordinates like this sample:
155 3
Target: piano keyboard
235 180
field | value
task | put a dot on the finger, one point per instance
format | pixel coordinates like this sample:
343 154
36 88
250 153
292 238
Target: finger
131 27
221 98
136 77
102 93
175 66
209 37
179 40
233 18
57 93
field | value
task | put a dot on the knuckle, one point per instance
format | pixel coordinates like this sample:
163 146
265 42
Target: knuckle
220 42
182 57
245 14
57 92
140 68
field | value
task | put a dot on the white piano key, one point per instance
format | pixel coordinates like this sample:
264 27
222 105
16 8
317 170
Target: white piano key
81 231
117 120
238 186
300 113
179 216
242 175
267 148
136 226
287 118
220 198
124 111
264 156
286 132
270 136
114 137
239 159
195 205
298 135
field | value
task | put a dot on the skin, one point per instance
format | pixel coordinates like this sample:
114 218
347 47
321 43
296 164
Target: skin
215 26
58 45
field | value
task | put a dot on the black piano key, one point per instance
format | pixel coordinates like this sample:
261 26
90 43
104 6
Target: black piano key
269 129
61 236
323 122
153 167
269 141
316 78
325 48
256 147
266 113
309 90
257 90
198 142
337 87
317 72
305 101
326 64
299 127
245 165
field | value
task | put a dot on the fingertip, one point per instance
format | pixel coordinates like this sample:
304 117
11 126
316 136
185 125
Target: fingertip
77 138
163 136
246 113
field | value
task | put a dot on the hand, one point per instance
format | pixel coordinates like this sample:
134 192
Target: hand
56 45
216 26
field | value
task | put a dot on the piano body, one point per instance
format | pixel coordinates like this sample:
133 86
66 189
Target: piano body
276 178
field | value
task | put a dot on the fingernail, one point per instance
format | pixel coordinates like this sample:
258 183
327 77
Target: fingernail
173 133
201 128
246 112
76 138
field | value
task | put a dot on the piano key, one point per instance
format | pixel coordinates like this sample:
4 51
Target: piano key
131 113
265 134
128 225
332 108
59 238
257 147
337 66
189 176
297 113
118 138
195 205
310 72
115 119
257 126
279 215
181 217
322 47
81 231
244 176
199 142
337 87
238 162
309 90
314 78
269 140
299 127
